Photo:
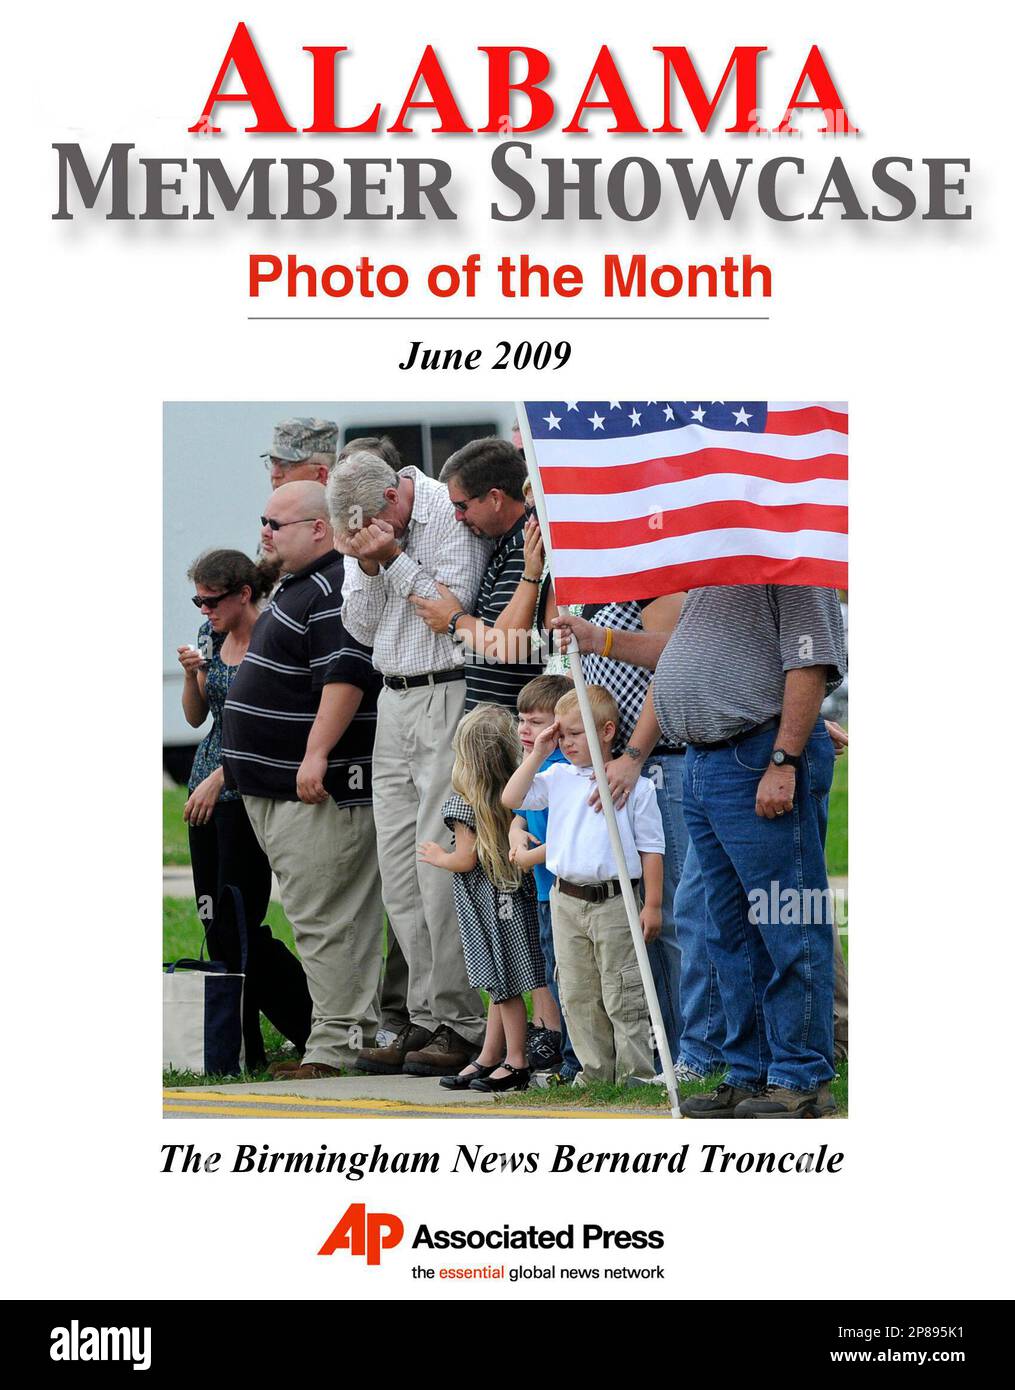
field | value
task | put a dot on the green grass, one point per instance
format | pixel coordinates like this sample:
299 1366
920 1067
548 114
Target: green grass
182 933
837 843
599 1095
175 848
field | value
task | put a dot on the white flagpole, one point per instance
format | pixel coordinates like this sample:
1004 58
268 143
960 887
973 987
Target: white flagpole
609 811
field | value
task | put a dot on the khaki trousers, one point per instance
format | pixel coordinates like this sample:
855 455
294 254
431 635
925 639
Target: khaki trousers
411 780
325 860
601 992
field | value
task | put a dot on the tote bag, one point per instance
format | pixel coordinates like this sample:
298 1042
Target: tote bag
202 1007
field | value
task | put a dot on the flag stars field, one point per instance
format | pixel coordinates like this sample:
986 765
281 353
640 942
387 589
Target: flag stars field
697 493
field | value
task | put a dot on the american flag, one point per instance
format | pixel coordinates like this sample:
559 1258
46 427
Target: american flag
654 497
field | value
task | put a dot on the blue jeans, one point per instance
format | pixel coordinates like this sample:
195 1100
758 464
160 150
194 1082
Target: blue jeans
683 976
571 1065
765 881
704 1032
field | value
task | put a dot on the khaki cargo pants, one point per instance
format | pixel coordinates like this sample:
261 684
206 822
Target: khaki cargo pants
325 859
601 992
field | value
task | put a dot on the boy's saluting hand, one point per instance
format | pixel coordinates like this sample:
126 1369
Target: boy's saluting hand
546 740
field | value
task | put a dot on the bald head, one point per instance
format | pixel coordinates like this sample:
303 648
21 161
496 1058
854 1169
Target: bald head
304 496
302 531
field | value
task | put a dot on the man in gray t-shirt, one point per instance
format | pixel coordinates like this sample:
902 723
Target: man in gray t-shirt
742 680
724 669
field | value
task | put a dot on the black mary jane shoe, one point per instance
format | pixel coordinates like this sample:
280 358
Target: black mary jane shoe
460 1082
516 1080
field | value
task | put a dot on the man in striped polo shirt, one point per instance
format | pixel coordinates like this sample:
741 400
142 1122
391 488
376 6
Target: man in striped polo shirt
485 479
297 741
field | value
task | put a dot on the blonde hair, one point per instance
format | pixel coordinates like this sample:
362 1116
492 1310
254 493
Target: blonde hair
604 706
487 752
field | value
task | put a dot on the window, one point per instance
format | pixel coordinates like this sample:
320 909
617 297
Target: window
447 439
428 449
407 439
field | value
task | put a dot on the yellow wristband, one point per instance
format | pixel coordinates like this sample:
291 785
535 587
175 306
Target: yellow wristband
608 642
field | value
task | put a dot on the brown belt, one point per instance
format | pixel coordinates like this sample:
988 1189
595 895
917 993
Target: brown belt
593 892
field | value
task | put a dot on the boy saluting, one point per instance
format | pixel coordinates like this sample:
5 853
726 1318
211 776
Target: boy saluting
600 985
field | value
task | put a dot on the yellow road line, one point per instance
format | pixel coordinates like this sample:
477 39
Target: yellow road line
390 1108
251 1111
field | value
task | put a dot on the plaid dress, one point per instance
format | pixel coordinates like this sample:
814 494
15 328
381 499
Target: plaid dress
500 931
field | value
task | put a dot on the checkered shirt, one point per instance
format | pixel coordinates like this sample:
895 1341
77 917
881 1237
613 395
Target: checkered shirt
627 684
436 546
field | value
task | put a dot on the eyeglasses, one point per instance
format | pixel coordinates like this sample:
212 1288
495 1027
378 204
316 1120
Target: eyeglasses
274 525
463 507
212 602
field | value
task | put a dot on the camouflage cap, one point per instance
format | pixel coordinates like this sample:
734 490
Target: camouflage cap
293 441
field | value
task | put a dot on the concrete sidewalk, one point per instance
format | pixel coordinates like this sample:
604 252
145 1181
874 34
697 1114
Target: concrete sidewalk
365 1097
178 882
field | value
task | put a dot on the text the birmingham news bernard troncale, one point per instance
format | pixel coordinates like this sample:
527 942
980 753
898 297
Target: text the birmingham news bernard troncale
480 1159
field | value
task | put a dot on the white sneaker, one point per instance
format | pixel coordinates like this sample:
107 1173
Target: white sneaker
682 1072
385 1037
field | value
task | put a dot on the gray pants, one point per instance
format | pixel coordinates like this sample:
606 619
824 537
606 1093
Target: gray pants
601 992
325 860
411 781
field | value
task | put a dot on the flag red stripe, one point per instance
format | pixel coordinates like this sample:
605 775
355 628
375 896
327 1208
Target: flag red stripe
629 477
673 579
686 521
806 420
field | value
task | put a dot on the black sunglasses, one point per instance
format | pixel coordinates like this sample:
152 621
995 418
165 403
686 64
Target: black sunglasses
274 525
213 602
464 506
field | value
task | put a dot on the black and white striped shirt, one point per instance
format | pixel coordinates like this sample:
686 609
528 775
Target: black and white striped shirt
489 681
298 646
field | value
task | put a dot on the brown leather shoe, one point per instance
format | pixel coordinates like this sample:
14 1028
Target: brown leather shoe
284 1068
446 1054
310 1071
390 1060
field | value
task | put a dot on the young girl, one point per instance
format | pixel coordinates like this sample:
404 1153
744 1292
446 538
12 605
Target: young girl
495 901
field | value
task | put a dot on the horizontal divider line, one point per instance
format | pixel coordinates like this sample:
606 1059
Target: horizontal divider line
500 318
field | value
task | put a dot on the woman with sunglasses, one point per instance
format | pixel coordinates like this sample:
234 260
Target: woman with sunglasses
223 848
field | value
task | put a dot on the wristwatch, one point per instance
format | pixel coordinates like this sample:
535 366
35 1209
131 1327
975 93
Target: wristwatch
453 621
783 759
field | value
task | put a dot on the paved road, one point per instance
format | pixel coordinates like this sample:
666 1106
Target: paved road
360 1098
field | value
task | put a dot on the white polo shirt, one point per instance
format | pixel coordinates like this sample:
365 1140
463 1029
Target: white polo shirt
578 845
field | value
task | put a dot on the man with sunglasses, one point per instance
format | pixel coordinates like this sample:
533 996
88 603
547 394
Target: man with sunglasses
485 481
297 741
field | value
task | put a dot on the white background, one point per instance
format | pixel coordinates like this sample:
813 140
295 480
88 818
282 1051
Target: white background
909 323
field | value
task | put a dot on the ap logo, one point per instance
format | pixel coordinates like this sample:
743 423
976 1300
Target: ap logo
364 1234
